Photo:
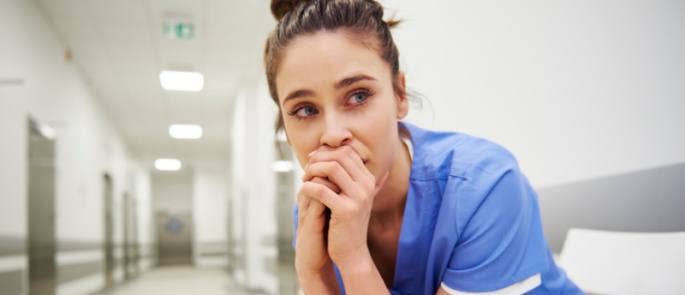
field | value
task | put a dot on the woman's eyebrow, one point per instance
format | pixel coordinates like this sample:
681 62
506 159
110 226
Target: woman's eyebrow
297 94
351 80
341 84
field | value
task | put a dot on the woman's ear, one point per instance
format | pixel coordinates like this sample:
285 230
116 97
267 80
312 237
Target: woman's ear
401 94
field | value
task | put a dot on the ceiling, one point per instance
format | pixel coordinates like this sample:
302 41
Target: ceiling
121 49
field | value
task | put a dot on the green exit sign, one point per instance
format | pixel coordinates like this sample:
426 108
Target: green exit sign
178 30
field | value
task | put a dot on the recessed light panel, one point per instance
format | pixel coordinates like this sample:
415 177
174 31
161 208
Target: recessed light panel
168 164
181 80
185 131
282 166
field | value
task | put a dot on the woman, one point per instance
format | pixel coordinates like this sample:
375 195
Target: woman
385 206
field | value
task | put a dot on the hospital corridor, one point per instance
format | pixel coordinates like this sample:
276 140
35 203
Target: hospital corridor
139 152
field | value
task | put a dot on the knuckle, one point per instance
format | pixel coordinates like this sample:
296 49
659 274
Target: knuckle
330 167
354 209
313 157
325 166
318 180
348 152
309 188
319 189
370 176
347 149
368 186
363 193
337 167
304 189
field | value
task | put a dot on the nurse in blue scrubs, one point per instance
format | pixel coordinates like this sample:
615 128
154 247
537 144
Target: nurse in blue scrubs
385 206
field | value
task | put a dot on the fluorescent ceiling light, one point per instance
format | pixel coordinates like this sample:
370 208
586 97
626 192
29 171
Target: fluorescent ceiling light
185 131
282 166
167 164
181 80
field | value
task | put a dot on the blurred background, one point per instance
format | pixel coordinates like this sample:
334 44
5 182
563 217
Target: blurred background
138 152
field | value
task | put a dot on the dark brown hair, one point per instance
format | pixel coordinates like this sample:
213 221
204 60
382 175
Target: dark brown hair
300 17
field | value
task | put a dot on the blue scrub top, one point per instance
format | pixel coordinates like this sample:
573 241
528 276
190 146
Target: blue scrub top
471 221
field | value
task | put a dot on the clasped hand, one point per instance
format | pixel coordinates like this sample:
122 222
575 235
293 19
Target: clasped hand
335 203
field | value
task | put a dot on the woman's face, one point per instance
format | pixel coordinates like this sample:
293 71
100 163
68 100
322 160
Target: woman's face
334 90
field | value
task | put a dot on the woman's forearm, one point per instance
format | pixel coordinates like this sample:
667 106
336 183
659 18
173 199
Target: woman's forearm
361 276
318 283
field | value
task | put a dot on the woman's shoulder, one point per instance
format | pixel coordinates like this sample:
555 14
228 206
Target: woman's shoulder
443 154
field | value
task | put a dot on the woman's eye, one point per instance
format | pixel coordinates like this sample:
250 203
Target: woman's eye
358 98
305 111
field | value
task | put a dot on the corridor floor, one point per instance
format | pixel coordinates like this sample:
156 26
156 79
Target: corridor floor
179 280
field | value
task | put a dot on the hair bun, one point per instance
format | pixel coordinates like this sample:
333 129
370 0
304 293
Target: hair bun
280 8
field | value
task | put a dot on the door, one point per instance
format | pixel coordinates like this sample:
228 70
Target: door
130 237
107 194
41 207
285 190
174 236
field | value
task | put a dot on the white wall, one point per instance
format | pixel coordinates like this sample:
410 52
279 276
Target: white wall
173 190
210 211
253 188
145 218
576 89
55 93
238 189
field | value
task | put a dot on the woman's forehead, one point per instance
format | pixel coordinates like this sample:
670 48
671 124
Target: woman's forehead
325 58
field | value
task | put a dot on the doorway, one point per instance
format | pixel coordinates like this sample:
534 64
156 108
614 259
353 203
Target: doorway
173 205
130 237
107 194
41 207
174 238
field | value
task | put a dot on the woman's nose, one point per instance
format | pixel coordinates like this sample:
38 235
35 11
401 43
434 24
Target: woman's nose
335 133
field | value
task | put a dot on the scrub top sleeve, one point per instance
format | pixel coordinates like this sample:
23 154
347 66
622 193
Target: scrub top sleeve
501 244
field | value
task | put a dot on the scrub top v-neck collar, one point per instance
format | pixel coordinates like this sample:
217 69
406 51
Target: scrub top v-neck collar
413 227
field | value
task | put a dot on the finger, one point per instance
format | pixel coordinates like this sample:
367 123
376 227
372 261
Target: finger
351 162
302 206
322 194
327 183
347 157
336 174
302 201
312 217
312 225
308 206
316 210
